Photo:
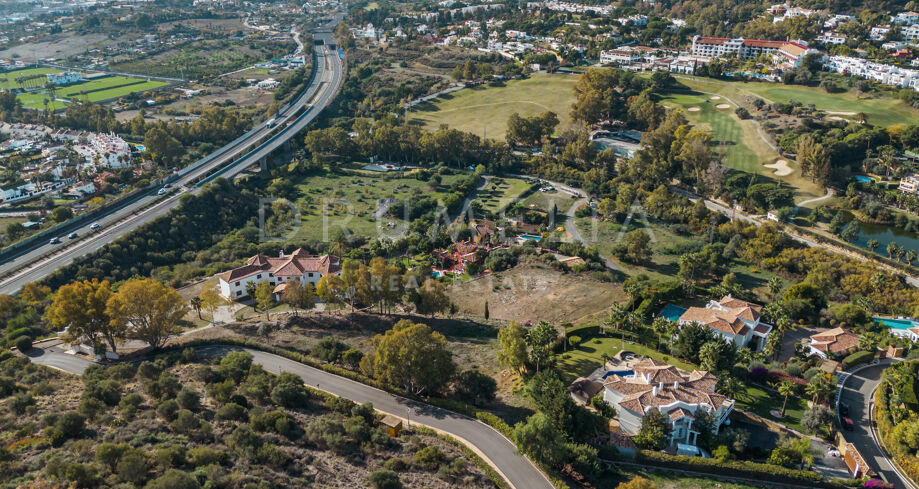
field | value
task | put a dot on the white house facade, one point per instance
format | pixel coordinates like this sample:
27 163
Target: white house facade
298 266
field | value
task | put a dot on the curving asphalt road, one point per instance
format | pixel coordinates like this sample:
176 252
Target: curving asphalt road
858 395
45 258
493 447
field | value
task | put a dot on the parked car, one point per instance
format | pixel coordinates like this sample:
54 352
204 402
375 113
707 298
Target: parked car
162 191
847 424
843 409
95 226
73 236
55 240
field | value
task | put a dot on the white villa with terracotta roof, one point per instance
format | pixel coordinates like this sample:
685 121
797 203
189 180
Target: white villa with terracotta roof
737 322
677 394
832 343
299 265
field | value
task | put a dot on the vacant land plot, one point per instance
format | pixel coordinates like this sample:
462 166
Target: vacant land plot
55 46
534 292
330 204
204 58
485 110
881 110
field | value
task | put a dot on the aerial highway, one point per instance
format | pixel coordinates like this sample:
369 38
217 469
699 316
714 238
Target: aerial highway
228 161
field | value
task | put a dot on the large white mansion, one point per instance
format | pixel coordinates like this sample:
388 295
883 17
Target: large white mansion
299 265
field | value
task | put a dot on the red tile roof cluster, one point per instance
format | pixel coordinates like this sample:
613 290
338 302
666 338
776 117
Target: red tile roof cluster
729 321
834 341
292 265
658 384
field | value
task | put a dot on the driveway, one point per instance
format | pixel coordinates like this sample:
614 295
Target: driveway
53 354
795 336
858 396
497 450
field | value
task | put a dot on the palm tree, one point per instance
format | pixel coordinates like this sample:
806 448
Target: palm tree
900 251
730 387
773 346
865 303
661 326
775 286
911 256
891 249
616 315
818 389
873 244
878 280
196 305
786 389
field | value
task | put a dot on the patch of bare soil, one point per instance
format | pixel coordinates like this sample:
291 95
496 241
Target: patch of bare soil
533 292
57 46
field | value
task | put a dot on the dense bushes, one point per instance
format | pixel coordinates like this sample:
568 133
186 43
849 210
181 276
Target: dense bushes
731 467
856 359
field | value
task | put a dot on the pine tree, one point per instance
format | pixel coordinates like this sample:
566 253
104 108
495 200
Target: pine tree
486 310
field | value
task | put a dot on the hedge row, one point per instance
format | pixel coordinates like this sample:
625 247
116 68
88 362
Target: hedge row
468 453
857 358
740 468
884 419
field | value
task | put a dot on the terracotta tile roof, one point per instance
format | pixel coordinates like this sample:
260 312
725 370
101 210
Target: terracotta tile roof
679 413
761 329
834 341
657 384
292 265
281 287
622 440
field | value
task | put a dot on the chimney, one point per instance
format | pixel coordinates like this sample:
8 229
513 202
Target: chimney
654 391
660 386
281 254
676 385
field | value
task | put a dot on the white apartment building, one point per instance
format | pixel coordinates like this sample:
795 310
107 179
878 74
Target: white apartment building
64 78
907 18
878 32
831 38
879 72
909 184
790 52
620 56
109 149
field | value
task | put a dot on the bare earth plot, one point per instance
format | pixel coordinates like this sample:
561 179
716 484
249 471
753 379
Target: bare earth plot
57 47
485 110
530 293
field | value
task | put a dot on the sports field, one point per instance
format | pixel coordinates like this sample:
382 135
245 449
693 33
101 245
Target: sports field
14 80
484 110
738 140
881 110
94 90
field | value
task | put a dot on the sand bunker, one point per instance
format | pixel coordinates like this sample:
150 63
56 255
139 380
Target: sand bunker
723 106
693 109
835 118
839 112
781 168
716 97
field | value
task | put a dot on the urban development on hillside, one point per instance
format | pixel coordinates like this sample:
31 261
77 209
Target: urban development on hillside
482 244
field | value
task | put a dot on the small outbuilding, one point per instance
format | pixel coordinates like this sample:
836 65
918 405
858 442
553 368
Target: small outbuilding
393 425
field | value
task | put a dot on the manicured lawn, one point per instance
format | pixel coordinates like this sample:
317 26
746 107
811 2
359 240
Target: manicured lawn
484 110
36 99
8 79
587 357
328 203
543 201
882 110
761 402
502 192
737 139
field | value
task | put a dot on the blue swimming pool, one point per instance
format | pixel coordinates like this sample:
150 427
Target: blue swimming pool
863 179
531 237
901 324
672 312
621 373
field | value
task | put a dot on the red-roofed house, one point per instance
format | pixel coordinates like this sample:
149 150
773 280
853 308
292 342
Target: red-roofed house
833 343
299 265
678 394
737 322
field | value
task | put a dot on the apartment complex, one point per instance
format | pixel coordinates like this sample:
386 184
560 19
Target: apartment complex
790 52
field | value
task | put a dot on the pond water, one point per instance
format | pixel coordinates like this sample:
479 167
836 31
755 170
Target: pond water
884 234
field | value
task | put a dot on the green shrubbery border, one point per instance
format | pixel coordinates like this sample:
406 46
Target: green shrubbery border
733 468
857 358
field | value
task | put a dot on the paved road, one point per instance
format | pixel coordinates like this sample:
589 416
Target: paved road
488 443
858 396
45 258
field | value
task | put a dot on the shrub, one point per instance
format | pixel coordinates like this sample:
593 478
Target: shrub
189 399
272 455
69 425
185 422
168 409
90 408
384 479
200 456
352 357
729 467
23 343
231 412
475 387
429 458
395 464
20 402
290 395
856 359
132 466
130 403
108 454
329 349
574 341
107 391
174 479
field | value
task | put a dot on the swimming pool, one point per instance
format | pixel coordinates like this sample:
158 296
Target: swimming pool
863 179
898 324
621 373
672 312
530 236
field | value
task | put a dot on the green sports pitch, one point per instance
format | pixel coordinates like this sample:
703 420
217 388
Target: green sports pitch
33 80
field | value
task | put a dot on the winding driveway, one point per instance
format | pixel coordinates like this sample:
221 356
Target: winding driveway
858 394
494 448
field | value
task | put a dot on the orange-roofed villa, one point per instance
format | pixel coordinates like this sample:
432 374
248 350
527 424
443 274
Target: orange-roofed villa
736 321
678 394
278 271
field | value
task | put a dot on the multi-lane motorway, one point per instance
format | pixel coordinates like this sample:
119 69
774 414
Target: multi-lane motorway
226 162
